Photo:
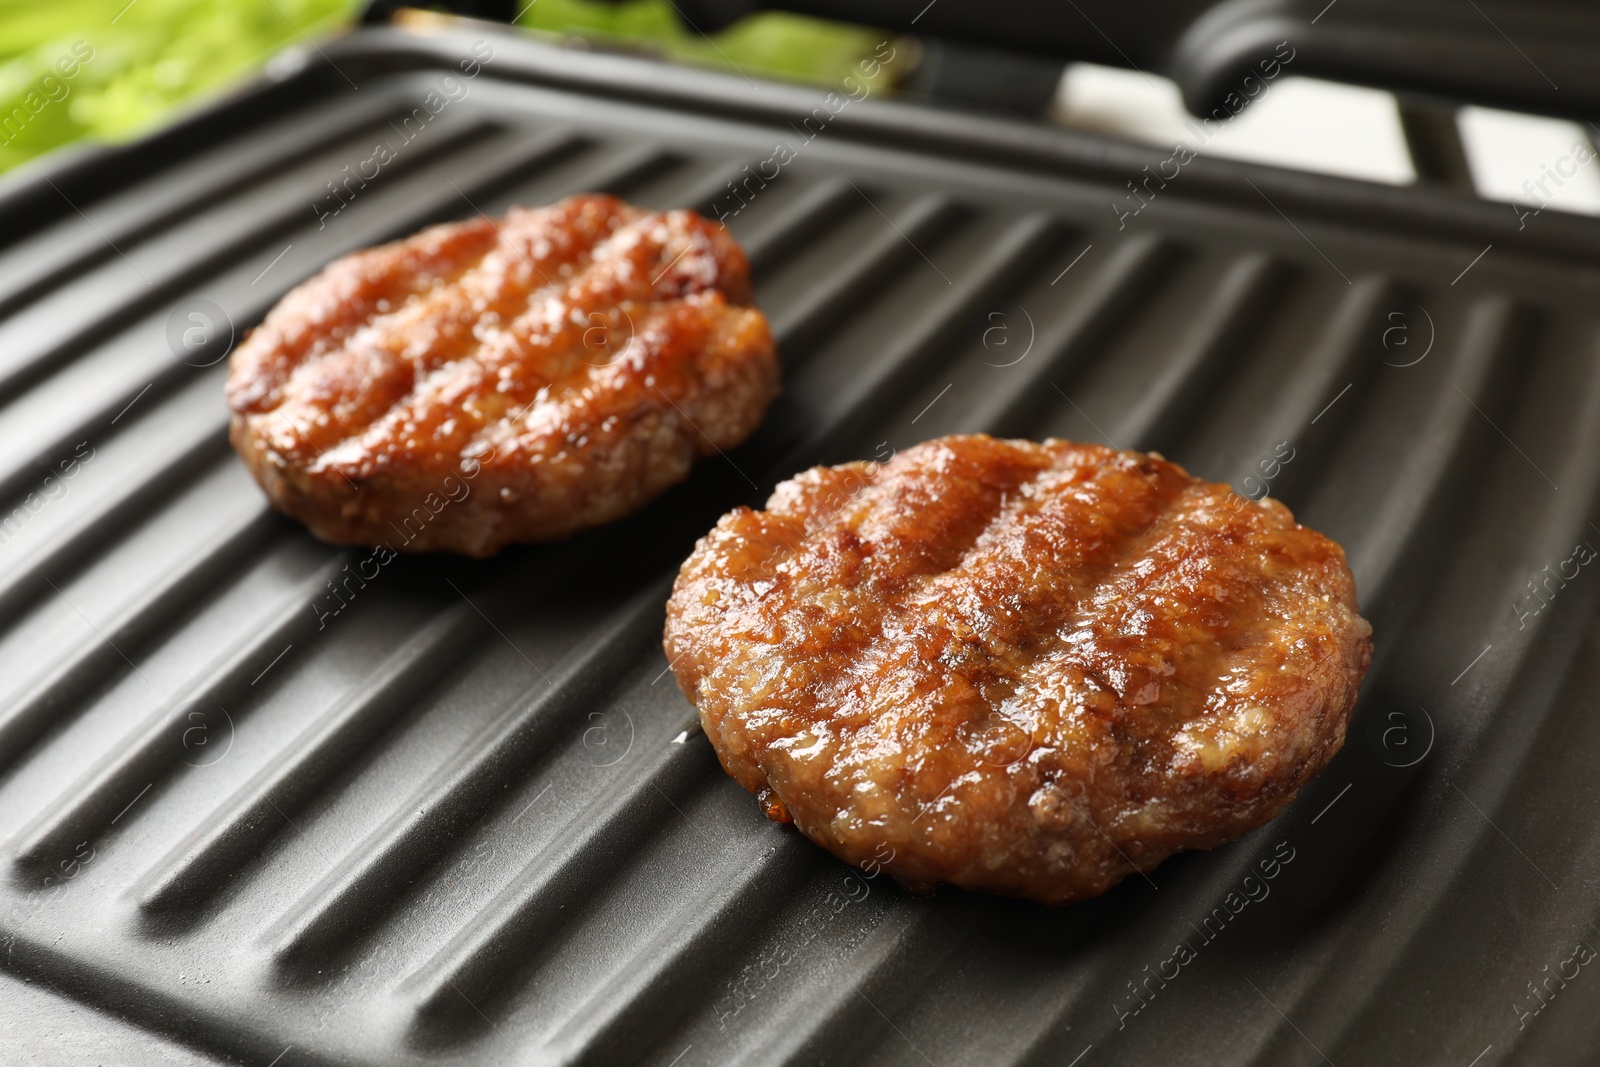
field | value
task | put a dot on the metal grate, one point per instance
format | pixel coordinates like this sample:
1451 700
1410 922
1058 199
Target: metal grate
457 812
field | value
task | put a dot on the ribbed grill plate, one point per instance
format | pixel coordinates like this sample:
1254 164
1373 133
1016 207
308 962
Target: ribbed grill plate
458 812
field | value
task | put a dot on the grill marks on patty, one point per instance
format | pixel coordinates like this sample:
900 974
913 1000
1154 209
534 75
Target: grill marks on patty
581 355
516 307
1018 665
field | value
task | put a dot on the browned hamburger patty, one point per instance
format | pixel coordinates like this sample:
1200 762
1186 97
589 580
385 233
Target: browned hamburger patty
1026 668
496 381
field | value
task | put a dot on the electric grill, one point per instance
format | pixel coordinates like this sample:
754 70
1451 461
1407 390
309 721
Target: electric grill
263 805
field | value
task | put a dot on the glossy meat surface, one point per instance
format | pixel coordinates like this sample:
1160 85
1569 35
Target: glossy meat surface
1026 668
503 380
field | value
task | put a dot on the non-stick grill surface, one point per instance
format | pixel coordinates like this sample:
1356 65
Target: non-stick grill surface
267 798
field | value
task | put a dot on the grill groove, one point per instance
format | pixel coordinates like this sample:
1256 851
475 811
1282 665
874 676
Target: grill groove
342 903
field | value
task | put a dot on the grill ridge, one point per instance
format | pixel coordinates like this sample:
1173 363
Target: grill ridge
183 880
153 749
341 904
152 609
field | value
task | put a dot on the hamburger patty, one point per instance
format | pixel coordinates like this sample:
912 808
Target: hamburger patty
1025 668
496 381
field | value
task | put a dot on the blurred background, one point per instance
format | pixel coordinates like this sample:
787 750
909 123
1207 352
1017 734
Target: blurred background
137 63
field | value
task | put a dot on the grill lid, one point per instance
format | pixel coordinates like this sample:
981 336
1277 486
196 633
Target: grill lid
1534 55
